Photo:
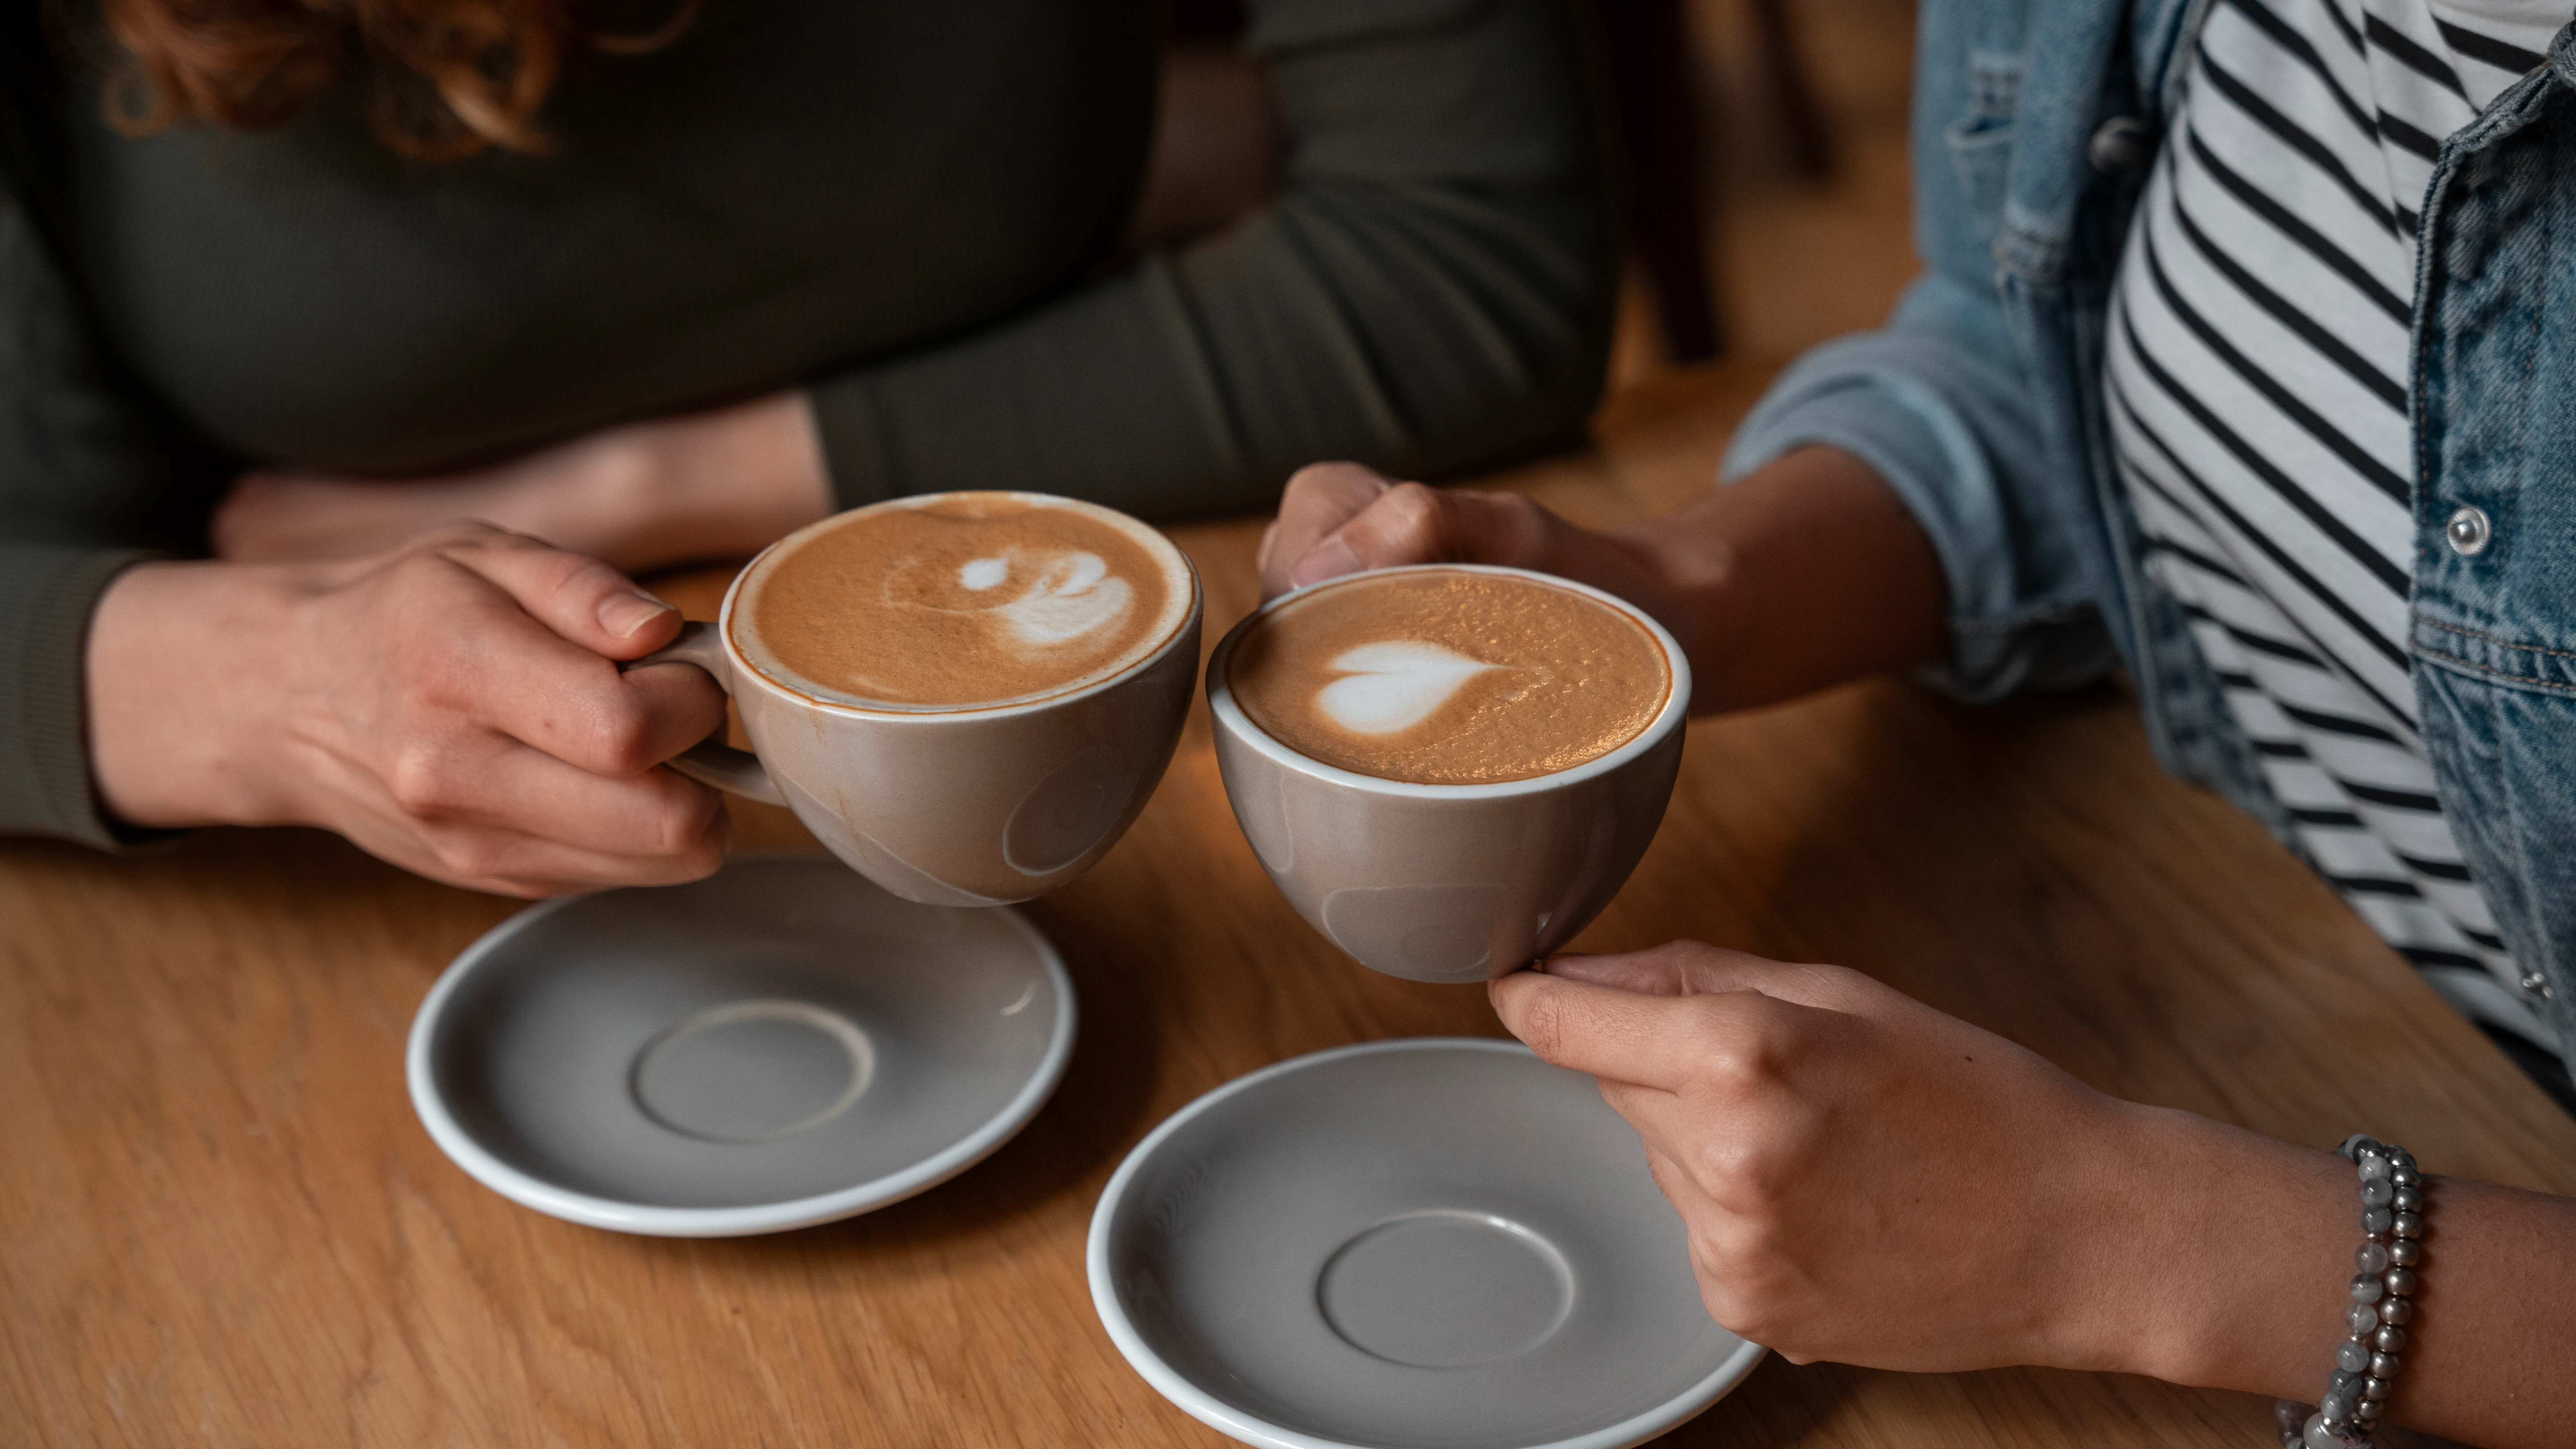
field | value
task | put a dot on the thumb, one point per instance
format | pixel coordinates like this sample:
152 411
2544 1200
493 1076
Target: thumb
1320 498
1412 524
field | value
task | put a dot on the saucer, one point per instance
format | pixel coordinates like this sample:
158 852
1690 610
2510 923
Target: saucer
1424 1244
778 1045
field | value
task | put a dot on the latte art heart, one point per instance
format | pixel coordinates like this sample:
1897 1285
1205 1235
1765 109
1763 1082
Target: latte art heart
1448 677
1394 684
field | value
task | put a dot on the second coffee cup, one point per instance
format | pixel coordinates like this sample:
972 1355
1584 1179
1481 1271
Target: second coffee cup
1449 769
967 697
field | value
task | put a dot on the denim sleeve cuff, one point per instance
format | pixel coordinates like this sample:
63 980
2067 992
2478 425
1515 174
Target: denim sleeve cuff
1869 396
47 594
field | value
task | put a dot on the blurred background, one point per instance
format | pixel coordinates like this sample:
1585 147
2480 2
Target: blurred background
1760 146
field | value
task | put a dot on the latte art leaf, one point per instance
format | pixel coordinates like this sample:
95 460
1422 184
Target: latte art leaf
959 601
1073 596
1394 684
1039 598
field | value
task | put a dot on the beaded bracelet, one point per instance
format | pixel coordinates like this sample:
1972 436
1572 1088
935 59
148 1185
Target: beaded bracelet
2383 1294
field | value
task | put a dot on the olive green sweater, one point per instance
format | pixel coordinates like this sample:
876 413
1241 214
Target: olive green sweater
913 210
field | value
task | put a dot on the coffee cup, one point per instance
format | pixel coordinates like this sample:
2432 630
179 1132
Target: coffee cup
967 697
1486 858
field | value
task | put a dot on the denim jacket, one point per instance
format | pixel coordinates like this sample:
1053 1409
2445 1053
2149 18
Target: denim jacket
1980 403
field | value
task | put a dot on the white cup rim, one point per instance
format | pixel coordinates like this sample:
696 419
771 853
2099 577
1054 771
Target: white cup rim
1230 714
745 672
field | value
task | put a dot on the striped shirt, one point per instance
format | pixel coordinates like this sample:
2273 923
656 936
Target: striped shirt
2256 390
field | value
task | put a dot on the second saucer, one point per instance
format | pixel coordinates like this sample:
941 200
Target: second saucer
1425 1244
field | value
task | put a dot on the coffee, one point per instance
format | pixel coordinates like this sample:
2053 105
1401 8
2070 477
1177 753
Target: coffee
1449 677
968 600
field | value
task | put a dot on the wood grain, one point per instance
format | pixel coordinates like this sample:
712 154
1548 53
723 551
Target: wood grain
220 1223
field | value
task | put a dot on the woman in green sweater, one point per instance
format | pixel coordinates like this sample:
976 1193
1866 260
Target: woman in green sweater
662 287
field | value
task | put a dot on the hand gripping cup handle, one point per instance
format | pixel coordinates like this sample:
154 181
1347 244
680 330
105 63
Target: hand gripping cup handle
711 761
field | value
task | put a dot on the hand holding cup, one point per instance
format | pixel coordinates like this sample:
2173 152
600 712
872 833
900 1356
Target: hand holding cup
967 697
1342 518
1868 1180
454 706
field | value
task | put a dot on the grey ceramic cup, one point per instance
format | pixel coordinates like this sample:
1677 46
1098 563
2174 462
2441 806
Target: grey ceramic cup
964 807
1448 882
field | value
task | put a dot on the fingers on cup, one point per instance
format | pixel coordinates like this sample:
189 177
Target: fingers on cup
1707 1082
1695 968
1656 1041
578 597
1318 501
510 864
493 662
1412 523
514 789
1710 1081
1328 494
532 826
584 713
680 705
1666 970
1408 523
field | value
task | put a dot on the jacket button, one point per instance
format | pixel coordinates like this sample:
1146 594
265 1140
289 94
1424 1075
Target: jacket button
2468 531
2122 146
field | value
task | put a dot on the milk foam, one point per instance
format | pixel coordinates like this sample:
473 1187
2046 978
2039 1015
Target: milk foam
965 600
1444 676
1043 597
1394 684
1071 595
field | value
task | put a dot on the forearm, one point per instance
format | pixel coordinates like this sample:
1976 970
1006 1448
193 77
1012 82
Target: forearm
1431 293
723 483
1806 573
174 673
2226 1259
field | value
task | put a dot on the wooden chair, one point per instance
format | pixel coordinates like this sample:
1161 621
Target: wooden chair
1655 128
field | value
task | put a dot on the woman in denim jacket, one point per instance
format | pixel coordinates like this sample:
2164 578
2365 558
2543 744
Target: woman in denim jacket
1870 1181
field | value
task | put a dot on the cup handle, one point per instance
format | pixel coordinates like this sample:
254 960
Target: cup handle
711 761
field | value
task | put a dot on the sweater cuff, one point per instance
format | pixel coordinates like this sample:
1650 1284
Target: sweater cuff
47 595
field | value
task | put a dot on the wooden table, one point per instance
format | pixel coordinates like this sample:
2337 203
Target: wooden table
220 1223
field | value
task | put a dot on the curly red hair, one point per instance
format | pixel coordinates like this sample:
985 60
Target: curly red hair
450 78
